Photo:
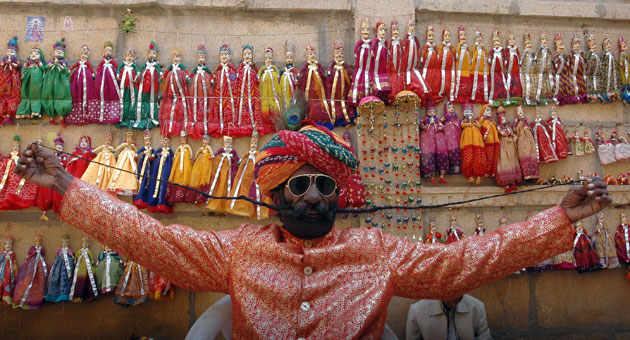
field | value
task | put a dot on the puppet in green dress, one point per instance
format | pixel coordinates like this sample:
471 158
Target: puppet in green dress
56 95
32 80
109 269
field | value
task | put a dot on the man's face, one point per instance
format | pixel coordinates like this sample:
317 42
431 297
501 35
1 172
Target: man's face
312 215
452 303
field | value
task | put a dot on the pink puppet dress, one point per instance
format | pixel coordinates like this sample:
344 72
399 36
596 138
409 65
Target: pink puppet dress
107 109
559 140
394 62
454 233
434 156
31 278
412 78
512 59
508 169
544 147
10 83
498 95
225 92
338 87
381 87
82 87
175 108
525 146
312 83
576 67
430 66
362 54
452 136
586 258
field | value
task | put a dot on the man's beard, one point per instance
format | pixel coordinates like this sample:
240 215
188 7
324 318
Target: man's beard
300 225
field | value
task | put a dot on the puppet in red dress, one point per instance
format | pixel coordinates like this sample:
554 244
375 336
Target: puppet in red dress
394 62
81 157
561 72
544 148
83 90
175 109
447 61
107 108
454 233
15 192
412 78
498 89
8 272
463 78
30 285
250 116
433 236
225 84
430 65
338 85
381 87
559 140
480 230
622 239
586 259
10 83
362 66
479 67
512 59
47 198
311 83
576 68
202 101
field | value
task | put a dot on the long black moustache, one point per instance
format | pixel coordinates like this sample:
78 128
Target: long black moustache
325 213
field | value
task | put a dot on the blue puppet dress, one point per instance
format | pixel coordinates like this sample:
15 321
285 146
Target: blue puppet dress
60 278
160 169
145 159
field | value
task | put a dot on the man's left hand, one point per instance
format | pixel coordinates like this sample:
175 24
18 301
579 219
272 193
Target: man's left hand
585 200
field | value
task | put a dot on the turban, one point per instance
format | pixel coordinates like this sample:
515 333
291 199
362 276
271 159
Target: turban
287 151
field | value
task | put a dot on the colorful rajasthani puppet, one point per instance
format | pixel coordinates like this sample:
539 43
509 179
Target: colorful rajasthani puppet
202 92
147 104
430 66
593 63
576 143
434 157
127 74
288 79
498 84
123 181
201 173
180 171
622 240
394 62
160 172
311 83
512 59
83 90
56 95
509 172
338 84
81 157
586 258
160 288
381 86
480 230
544 72
576 68
561 72
604 243
447 63
224 168
564 261
10 82
433 236
225 92
31 278
271 99
559 140
109 269
490 135
107 108
544 147
608 75
133 287
83 280
99 172
452 136
412 78
463 78
47 198
8 272
15 192
362 64
479 67
175 108
454 233
624 69
472 148
525 146
250 115
31 89
245 185
145 157
60 277
589 145
528 71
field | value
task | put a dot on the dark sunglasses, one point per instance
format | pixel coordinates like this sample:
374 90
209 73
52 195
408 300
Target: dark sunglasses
299 185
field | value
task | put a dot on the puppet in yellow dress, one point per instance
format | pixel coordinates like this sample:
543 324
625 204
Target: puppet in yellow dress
201 173
271 97
99 172
245 185
180 171
224 167
124 181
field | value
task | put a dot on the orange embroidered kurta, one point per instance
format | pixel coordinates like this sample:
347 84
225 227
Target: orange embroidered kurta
335 287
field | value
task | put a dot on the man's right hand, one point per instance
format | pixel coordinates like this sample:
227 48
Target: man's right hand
43 168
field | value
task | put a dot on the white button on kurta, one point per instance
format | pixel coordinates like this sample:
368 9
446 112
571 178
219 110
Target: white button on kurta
305 306
308 270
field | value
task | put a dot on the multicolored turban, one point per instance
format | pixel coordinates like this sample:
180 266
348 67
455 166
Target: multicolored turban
287 151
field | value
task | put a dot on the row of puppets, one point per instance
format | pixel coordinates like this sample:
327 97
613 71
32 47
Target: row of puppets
77 277
235 101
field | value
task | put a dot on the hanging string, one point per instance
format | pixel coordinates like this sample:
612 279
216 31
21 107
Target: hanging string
346 211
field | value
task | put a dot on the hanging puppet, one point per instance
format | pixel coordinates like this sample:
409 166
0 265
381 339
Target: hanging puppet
201 173
160 172
509 172
480 230
544 147
463 79
624 69
127 74
559 140
180 171
586 258
433 236
381 87
622 240
561 72
47 198
454 233
56 95
394 62
31 88
224 168
434 156
107 108
245 185
202 90
147 104
31 278
145 157
361 79
250 115
133 287
83 279
544 72
271 99
311 83
10 82
479 65
60 278
160 288
288 79
447 60
82 88
472 147
593 63
608 75
513 72
525 146
81 157
412 79
604 244
225 91
490 135
452 135
99 172
338 84
123 180
15 192
528 71
175 108
8 272
109 269
576 69
498 84
430 66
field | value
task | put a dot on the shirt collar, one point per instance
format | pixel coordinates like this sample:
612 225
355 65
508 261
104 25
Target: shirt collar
323 241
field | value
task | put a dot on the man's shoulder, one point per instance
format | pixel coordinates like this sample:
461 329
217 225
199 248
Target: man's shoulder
473 303
425 307
257 230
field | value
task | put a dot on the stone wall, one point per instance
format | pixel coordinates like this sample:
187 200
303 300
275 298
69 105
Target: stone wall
562 305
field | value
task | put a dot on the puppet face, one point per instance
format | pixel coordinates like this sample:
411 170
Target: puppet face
411 28
166 143
8 245
35 55
447 36
130 57
83 143
554 114
543 40
432 226
85 242
431 112
395 32
468 113
528 44
453 221
38 241
85 54
511 40
502 221
16 146
577 45
11 53
462 36
177 58
290 58
268 58
224 56
205 141
559 46
108 51
201 58
129 138
607 45
183 139
450 108
311 56
381 32
153 55
227 142
338 55
365 32
59 54
623 46
624 220
496 42
430 36
106 248
248 55
479 39
147 142
253 144
592 45
59 147
487 112
65 242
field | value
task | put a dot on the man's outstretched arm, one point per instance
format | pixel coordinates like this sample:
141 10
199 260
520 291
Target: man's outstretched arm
446 271
196 260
